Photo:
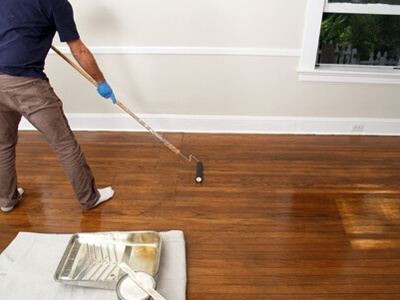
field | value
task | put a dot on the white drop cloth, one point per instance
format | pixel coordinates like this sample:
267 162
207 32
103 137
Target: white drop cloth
28 264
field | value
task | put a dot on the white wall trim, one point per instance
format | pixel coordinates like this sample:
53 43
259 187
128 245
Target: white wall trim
232 124
191 51
359 8
352 74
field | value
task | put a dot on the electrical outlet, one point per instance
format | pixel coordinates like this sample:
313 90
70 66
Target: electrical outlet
357 128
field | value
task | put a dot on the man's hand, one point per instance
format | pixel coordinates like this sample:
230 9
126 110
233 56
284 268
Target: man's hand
106 91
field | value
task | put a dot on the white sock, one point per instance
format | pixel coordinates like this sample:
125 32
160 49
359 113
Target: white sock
20 191
10 208
105 194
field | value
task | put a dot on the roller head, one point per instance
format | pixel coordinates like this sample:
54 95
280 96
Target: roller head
199 172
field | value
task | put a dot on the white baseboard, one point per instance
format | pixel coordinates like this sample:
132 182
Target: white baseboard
231 124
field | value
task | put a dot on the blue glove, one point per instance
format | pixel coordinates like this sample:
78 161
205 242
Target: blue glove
106 91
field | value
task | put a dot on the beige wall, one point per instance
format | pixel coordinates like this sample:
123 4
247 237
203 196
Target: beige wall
230 85
223 23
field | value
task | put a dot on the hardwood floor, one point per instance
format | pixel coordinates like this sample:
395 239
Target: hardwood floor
277 216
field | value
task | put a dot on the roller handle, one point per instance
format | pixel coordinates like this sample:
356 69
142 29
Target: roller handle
199 172
171 147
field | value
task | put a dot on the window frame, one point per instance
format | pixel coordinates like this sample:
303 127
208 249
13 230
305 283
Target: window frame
308 71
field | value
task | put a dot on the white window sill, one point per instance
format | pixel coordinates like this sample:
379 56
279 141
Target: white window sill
351 74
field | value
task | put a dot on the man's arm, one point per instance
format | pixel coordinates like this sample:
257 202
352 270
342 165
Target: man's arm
86 59
88 63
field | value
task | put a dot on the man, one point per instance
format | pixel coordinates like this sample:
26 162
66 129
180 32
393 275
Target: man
27 28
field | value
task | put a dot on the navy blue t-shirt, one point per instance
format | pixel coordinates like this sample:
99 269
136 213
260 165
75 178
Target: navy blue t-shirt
27 29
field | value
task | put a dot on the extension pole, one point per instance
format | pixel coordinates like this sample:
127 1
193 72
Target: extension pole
199 164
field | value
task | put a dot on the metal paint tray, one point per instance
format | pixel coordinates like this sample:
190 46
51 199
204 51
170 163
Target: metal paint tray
92 259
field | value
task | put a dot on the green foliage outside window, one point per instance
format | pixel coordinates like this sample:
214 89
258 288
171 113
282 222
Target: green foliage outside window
366 33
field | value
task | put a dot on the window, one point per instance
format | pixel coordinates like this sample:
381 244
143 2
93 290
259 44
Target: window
357 61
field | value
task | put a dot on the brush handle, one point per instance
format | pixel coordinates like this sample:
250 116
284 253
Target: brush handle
199 172
148 289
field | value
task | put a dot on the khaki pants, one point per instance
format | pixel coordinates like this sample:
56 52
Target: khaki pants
35 99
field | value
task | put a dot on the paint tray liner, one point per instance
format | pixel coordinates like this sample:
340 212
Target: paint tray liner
92 259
